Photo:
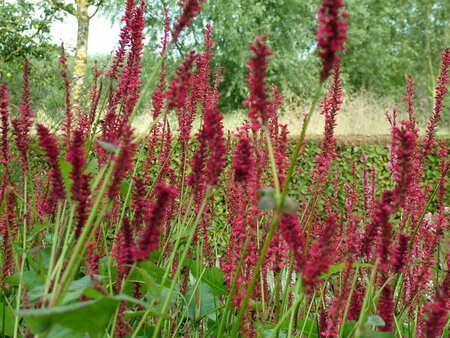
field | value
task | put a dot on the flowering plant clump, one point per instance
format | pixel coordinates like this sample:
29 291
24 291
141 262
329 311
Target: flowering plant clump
107 233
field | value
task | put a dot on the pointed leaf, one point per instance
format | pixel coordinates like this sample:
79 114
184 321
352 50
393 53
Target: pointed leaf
91 316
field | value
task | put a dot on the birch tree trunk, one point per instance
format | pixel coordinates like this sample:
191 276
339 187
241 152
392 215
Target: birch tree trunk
80 61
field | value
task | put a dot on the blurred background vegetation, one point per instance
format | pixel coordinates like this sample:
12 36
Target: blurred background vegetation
387 41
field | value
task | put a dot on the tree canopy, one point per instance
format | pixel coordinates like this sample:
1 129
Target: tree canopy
387 40
25 30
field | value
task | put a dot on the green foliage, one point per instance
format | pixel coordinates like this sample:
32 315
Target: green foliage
386 42
6 320
213 277
24 31
75 316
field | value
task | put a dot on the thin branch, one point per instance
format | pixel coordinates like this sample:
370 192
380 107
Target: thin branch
98 5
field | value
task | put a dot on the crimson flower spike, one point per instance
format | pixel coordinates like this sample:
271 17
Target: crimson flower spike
331 34
177 92
67 124
48 143
320 255
243 160
191 8
153 220
258 100
439 309
23 125
123 161
440 91
80 187
5 155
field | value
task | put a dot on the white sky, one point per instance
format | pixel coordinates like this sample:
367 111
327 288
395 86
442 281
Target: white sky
103 36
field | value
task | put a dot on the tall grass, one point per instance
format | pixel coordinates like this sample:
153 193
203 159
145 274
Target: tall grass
107 235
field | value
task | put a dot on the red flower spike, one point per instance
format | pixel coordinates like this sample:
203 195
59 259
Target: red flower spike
331 34
439 309
409 99
258 101
294 236
386 308
330 107
243 160
80 188
153 219
400 253
178 88
5 154
23 125
48 143
319 256
191 8
440 91
68 119
123 161
125 252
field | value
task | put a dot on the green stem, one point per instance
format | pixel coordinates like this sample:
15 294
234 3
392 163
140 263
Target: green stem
276 329
347 305
295 309
367 299
181 263
307 314
411 241
272 159
257 269
276 218
77 253
22 264
233 287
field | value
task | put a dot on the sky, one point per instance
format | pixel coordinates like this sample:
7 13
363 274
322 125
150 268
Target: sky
103 36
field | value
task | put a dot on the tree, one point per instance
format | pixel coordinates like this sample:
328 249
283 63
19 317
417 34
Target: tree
80 10
24 32
288 23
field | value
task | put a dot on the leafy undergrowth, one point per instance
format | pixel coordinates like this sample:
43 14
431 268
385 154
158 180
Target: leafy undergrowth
209 235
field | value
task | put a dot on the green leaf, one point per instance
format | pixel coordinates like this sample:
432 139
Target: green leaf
309 327
30 279
109 147
267 199
332 270
66 168
6 320
213 276
70 8
78 287
35 231
36 293
154 271
92 166
124 188
375 321
362 265
156 294
132 300
58 331
91 316
154 289
376 334
202 300
349 327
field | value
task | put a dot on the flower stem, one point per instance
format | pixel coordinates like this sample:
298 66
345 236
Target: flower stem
276 217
